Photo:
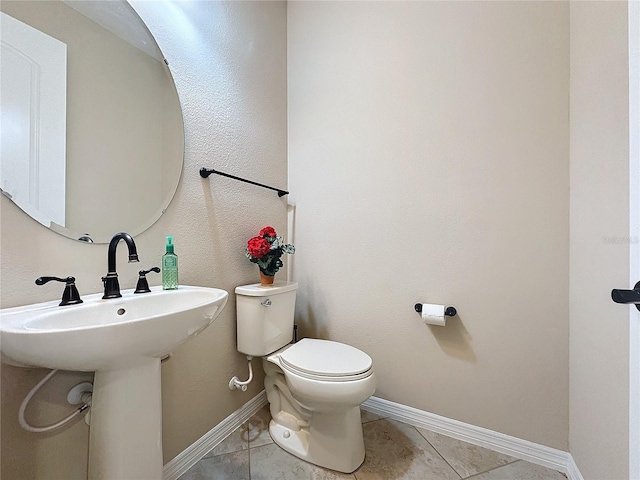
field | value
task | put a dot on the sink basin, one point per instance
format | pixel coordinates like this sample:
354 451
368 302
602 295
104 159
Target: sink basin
122 341
107 334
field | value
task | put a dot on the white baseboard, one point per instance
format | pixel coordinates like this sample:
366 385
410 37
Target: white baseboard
532 452
516 447
572 470
192 454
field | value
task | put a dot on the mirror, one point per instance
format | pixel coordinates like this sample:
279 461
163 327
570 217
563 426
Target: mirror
92 131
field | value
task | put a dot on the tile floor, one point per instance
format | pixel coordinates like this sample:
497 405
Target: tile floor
394 451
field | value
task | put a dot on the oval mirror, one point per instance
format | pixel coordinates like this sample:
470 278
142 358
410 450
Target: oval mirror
92 139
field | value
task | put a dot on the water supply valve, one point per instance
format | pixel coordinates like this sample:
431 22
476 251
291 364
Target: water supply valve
82 394
235 381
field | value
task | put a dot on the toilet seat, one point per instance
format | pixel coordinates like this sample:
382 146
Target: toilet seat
326 361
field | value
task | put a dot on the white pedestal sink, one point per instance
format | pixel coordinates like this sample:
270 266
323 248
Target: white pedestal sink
122 341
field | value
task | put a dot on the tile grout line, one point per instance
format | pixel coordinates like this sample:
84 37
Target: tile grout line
495 468
354 474
531 452
470 476
438 452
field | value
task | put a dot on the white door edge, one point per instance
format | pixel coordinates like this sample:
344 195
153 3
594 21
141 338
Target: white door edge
634 236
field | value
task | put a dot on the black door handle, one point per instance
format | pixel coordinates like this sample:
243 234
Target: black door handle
627 296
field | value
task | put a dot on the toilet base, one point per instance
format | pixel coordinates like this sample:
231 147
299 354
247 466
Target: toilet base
332 440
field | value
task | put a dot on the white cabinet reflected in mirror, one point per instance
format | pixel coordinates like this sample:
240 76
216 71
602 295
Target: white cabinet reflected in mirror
118 165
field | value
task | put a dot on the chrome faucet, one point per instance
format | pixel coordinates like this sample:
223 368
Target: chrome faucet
111 285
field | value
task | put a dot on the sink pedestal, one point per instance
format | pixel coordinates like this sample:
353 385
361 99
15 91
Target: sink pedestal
121 340
125 436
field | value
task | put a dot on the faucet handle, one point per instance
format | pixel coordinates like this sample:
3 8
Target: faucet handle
70 296
143 284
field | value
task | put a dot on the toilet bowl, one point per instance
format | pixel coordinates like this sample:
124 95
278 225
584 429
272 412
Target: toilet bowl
314 387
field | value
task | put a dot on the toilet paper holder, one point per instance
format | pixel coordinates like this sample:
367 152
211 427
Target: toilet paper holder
449 311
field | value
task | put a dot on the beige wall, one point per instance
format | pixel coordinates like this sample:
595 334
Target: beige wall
599 358
428 161
229 64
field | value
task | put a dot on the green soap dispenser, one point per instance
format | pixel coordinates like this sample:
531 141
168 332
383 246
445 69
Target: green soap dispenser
169 267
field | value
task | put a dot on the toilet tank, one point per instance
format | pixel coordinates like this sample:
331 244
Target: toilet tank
265 317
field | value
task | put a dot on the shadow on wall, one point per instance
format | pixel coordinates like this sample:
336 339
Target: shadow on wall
454 339
309 309
308 326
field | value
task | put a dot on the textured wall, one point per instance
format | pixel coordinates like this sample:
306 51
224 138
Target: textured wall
428 160
599 432
229 65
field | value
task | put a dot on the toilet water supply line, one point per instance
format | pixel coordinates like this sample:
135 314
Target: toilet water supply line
86 399
235 381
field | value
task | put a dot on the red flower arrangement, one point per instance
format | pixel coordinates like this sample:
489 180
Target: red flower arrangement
266 249
258 247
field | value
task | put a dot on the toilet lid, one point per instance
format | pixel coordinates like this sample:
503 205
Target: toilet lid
325 358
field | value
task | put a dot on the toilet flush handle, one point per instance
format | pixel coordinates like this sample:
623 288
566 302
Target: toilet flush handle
266 303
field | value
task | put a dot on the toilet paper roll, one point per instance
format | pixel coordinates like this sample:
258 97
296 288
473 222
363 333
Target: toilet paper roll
433 314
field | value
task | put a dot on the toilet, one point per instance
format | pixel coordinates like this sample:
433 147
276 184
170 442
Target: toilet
314 387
